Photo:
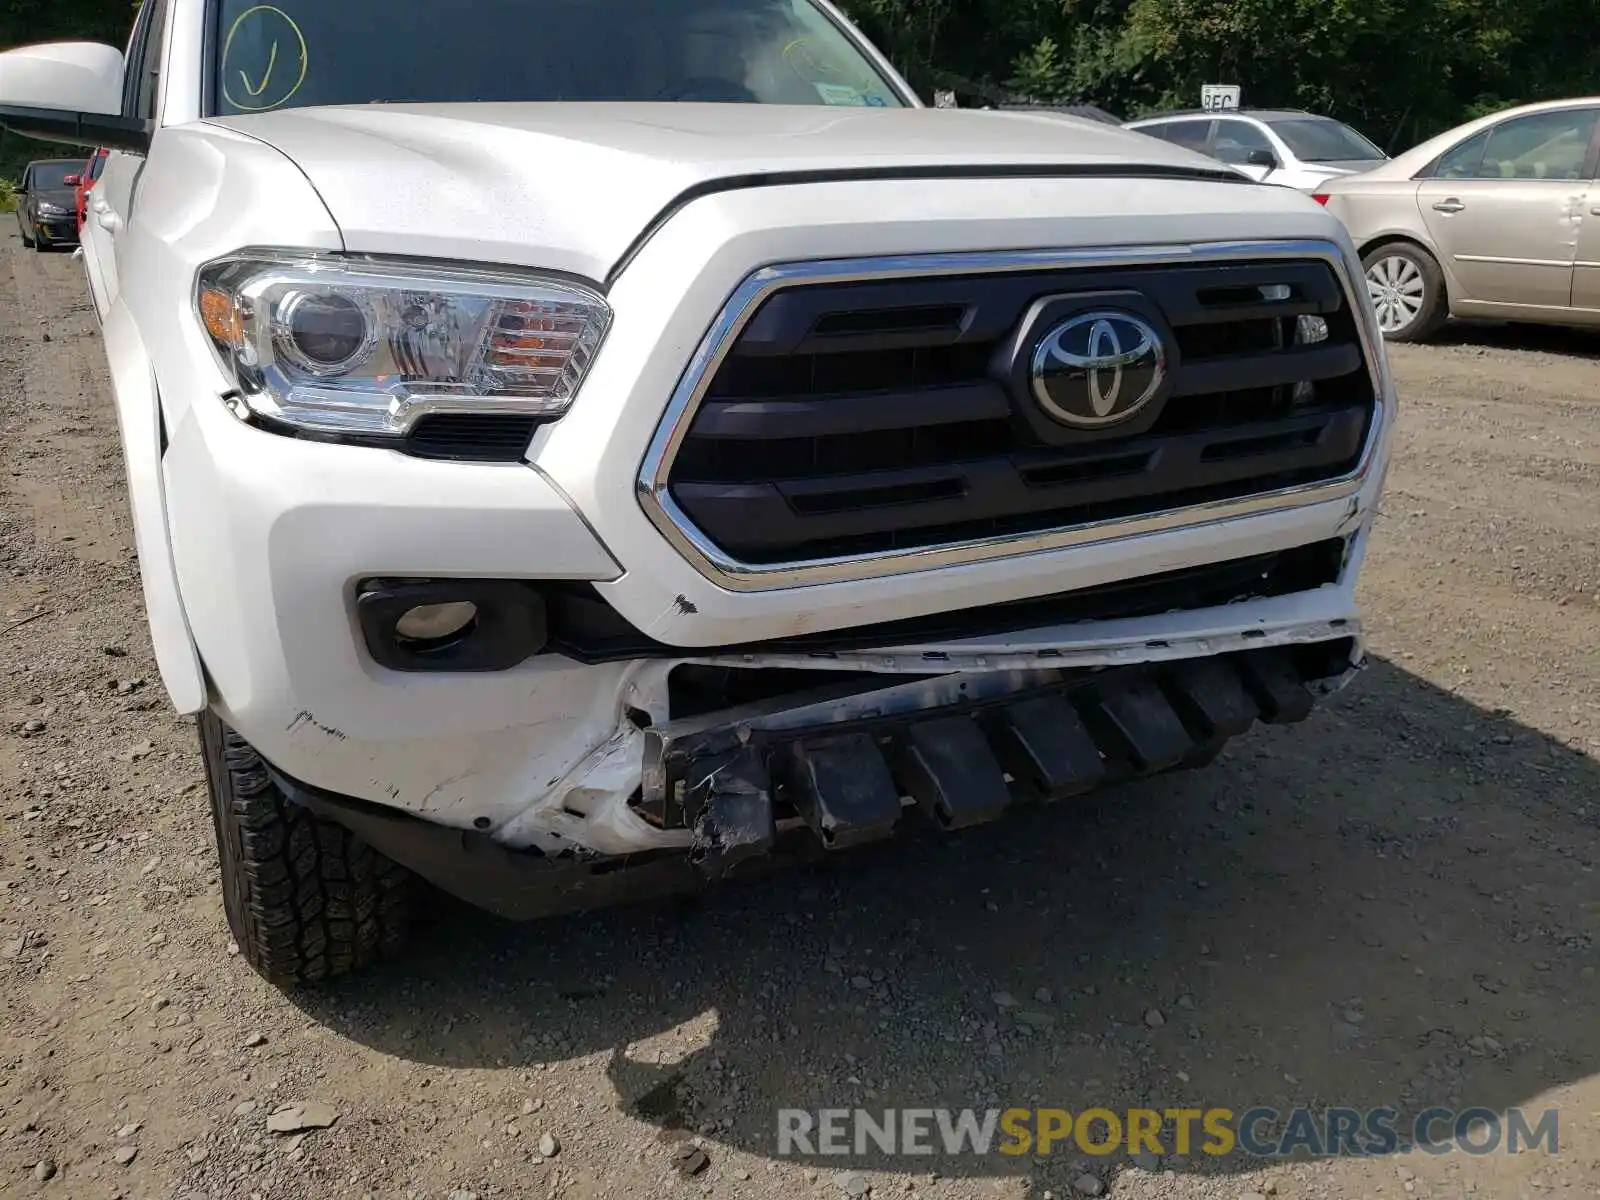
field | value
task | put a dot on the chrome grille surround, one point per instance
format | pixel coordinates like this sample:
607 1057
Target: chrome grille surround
731 573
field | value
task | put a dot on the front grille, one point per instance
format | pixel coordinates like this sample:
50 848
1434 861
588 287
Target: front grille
863 418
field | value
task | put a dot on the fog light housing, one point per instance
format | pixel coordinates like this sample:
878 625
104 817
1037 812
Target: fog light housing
450 624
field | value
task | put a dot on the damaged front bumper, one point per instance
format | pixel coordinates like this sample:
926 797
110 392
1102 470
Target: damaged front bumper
858 762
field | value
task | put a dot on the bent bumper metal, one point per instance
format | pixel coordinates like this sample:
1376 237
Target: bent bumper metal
838 767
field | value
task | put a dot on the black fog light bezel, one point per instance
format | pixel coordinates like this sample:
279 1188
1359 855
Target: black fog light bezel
509 627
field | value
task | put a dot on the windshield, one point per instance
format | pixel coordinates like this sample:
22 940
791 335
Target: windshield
1322 140
297 53
52 176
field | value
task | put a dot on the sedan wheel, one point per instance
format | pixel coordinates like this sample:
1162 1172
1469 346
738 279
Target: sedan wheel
1396 287
1407 292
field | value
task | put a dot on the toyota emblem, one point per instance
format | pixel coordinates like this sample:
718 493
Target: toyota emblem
1098 368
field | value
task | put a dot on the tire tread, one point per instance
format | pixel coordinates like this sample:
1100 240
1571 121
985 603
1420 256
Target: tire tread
306 900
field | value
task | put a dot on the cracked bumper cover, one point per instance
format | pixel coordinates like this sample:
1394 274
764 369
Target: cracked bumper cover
843 766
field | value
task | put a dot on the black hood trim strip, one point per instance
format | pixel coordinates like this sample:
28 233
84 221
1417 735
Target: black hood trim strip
738 183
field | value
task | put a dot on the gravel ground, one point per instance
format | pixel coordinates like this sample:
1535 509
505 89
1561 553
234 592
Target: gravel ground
1393 903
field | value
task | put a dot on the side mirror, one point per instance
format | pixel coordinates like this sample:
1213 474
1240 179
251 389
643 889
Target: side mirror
68 92
1262 158
72 181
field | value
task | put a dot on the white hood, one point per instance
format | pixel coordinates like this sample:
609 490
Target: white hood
570 187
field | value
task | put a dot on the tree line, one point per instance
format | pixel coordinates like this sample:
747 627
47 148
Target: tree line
1399 70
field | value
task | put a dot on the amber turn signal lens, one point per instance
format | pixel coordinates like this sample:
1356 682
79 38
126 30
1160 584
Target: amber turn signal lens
222 323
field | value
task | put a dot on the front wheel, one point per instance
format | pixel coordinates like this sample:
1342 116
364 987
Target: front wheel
1407 291
306 899
22 229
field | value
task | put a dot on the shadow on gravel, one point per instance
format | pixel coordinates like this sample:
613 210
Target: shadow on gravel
1338 914
1548 339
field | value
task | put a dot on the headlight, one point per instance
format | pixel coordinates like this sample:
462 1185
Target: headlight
46 209
357 346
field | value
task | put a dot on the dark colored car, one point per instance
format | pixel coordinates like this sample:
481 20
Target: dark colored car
86 182
47 203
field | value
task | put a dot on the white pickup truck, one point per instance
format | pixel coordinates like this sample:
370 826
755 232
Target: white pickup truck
582 450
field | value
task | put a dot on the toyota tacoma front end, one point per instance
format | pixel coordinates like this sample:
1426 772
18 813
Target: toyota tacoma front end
567 499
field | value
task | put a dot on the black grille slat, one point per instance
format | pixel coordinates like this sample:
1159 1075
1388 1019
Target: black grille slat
865 417
728 461
807 320
880 370
759 518
1270 368
888 322
833 416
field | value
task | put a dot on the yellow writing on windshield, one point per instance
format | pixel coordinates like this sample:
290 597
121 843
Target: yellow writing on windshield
264 59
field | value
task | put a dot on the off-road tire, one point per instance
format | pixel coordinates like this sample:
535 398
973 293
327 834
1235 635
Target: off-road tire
306 899
1434 309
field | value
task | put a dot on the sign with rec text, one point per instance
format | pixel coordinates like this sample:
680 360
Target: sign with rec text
1217 96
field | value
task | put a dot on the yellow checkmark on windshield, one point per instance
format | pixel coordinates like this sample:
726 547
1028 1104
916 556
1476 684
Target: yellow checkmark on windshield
246 88
272 61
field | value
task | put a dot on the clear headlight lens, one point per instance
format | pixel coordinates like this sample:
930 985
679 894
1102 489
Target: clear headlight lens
358 346
46 209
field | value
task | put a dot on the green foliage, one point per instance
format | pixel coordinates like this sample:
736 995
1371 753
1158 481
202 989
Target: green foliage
1040 74
8 196
1399 70
95 20
25 21
17 152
